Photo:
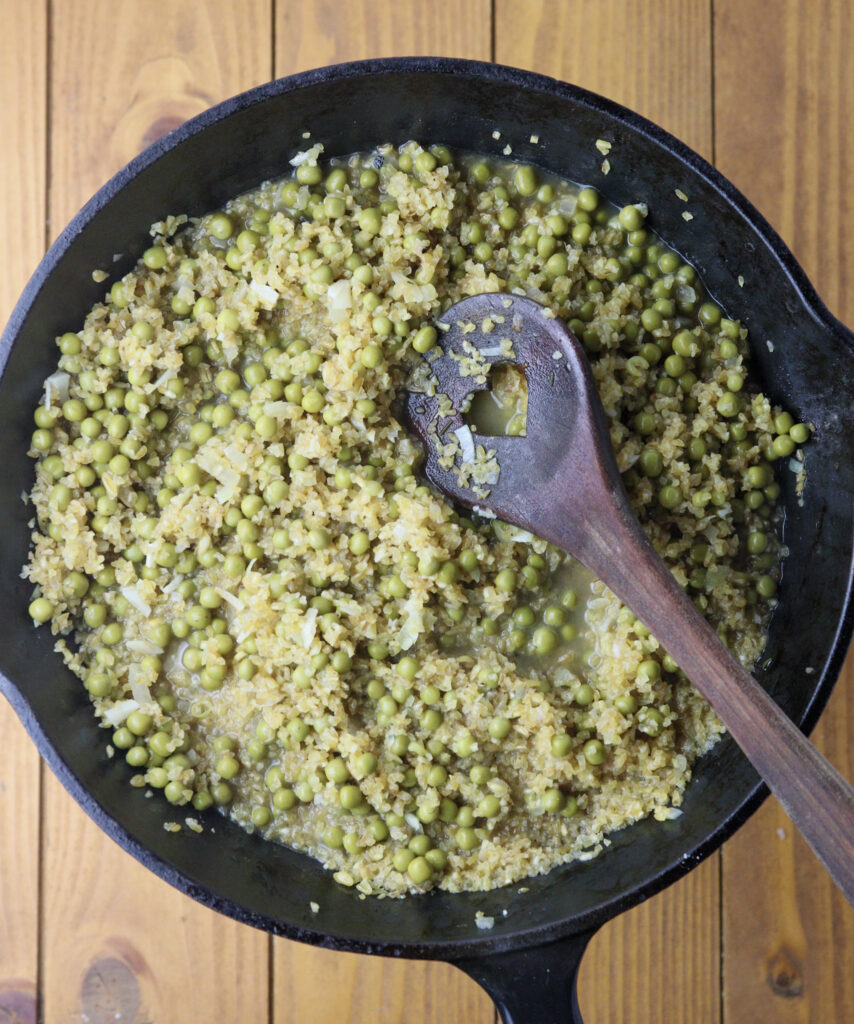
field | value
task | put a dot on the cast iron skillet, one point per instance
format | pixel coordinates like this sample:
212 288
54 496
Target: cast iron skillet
528 961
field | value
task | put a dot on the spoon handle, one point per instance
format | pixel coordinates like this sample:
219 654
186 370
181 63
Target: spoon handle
816 797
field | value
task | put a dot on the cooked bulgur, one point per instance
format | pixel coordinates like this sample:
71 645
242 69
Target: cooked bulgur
274 615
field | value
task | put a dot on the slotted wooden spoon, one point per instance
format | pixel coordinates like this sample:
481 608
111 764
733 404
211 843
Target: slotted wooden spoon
561 482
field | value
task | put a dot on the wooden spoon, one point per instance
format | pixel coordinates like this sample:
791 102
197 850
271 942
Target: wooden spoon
561 482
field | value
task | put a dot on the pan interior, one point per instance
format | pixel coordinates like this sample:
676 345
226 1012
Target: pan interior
236 147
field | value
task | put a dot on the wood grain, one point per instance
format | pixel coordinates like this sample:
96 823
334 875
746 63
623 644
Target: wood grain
23 86
118 943
782 137
670 944
310 33
652 57
656 59
162 64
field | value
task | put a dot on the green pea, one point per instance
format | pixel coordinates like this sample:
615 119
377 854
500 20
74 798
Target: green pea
546 245
631 218
425 338
651 320
227 767
488 807
221 226
553 801
69 344
499 728
581 233
466 839
675 366
41 610
669 497
428 565
337 771
137 757
525 180
350 796
594 752
709 314
319 539
112 634
783 446
408 667
649 671
371 356
556 265
431 720
544 640
757 542
284 799
139 723
505 581
222 793
561 745
524 616
650 721
626 704
800 433
651 463
696 449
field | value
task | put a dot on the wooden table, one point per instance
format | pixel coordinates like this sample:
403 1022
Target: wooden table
762 87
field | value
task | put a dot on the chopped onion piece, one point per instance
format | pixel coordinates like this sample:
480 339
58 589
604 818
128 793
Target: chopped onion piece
141 646
119 712
230 598
265 293
309 627
464 436
56 385
413 623
133 595
138 688
306 155
338 295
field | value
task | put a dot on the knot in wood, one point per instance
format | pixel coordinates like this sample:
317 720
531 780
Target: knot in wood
17 1006
784 976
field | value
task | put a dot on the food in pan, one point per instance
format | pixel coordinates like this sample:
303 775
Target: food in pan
273 614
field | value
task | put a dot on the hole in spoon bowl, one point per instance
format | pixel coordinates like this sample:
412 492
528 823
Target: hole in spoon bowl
502 409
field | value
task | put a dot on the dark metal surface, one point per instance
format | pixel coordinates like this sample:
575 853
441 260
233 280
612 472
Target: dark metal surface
810 369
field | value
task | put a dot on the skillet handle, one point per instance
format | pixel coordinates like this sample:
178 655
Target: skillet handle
533 986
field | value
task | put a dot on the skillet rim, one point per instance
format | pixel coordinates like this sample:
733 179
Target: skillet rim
762 230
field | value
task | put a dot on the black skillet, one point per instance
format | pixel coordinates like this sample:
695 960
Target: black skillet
528 960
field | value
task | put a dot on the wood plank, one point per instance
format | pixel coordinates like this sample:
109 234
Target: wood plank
114 936
782 136
655 59
669 944
310 33
23 85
